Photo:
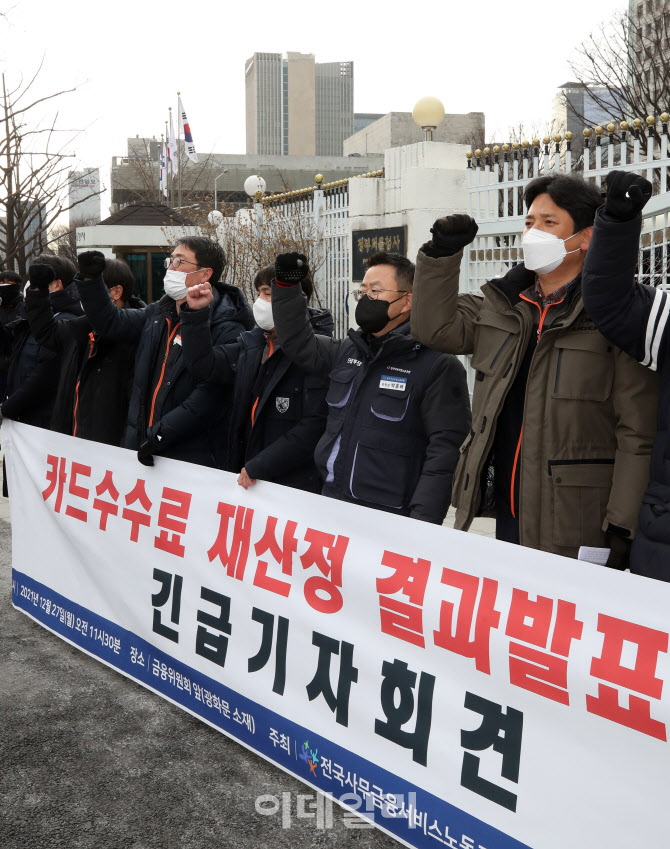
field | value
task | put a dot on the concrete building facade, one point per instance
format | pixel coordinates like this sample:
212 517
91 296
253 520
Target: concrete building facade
397 129
84 192
576 106
296 106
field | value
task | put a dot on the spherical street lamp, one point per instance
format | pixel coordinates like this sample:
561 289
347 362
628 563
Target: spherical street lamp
253 185
215 217
428 114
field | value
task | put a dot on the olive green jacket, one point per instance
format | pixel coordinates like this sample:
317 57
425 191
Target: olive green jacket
589 414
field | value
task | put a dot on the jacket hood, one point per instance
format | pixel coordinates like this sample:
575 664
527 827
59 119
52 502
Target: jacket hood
231 305
66 300
321 321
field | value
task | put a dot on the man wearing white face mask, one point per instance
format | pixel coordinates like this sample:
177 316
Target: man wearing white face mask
279 411
170 412
562 421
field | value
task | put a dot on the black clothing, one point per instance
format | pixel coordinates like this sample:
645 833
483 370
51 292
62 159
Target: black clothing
32 379
192 412
396 416
95 377
634 317
11 295
288 407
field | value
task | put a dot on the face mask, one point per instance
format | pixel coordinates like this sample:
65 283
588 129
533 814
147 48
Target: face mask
373 315
263 314
175 284
10 290
544 252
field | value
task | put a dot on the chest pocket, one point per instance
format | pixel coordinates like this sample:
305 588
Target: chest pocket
390 405
584 367
495 338
340 388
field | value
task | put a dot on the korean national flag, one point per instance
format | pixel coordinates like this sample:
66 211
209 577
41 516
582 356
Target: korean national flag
188 138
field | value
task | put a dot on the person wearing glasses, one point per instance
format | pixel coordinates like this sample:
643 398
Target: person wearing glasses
397 412
170 412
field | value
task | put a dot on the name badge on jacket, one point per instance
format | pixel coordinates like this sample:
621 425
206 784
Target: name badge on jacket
390 381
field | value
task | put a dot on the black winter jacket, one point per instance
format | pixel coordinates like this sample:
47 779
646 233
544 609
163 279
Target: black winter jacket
289 414
192 417
397 413
11 299
634 317
32 380
96 374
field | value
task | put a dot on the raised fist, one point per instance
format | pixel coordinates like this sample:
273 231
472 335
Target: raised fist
451 234
199 296
91 263
627 193
40 276
291 268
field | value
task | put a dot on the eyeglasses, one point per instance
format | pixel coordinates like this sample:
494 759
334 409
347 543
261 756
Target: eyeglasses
373 293
176 261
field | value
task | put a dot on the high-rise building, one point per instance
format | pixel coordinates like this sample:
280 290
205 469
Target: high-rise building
296 106
84 189
334 106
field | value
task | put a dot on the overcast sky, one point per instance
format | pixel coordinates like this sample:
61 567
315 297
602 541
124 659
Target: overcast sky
129 58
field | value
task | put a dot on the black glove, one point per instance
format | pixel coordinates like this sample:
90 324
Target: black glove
627 193
146 451
91 263
40 276
291 268
450 235
619 551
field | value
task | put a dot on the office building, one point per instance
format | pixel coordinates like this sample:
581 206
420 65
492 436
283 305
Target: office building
296 106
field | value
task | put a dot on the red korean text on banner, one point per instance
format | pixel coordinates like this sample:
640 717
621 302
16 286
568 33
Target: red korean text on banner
542 672
640 678
399 618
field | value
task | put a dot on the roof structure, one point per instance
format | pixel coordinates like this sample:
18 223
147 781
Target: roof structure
146 215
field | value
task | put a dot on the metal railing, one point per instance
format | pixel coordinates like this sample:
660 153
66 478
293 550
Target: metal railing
324 209
497 178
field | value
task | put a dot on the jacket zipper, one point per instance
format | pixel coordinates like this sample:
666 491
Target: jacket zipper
160 379
253 409
500 350
543 315
558 369
76 389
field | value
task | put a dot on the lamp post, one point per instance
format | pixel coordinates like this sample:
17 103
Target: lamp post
428 114
254 186
225 171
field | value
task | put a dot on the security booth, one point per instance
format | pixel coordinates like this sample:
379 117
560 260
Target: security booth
141 234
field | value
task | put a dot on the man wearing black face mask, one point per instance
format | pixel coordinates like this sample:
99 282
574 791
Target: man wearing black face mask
397 412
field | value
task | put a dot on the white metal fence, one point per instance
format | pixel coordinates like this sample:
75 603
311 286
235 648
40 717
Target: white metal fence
498 177
325 212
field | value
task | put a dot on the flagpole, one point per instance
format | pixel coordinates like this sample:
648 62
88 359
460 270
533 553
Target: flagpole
172 161
161 173
167 159
179 149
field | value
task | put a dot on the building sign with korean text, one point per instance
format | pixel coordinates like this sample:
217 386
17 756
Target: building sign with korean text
364 243
454 690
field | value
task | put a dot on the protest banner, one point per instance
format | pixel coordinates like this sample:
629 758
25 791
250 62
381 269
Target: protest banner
452 689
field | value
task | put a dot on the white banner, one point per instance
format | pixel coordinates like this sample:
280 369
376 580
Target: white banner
450 688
